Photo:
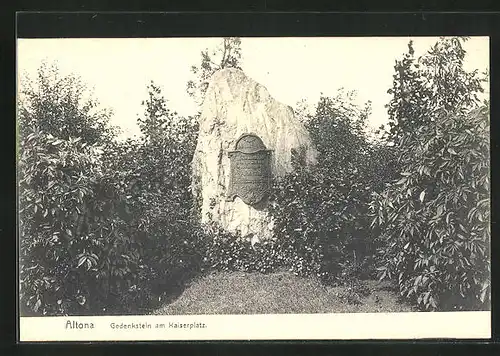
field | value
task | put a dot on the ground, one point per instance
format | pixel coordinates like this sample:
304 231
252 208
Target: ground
280 292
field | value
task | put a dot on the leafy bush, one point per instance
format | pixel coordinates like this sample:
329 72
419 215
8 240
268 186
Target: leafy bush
62 238
224 251
434 220
325 225
75 248
66 105
153 173
104 225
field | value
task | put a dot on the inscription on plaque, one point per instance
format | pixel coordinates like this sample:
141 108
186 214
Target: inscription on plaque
250 169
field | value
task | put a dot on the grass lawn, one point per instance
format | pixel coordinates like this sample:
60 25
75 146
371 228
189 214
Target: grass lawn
280 292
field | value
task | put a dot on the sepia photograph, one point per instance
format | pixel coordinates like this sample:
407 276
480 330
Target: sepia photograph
251 176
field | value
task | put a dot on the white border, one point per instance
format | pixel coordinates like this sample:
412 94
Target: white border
452 325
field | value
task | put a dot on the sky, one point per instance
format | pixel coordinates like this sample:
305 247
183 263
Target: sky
292 69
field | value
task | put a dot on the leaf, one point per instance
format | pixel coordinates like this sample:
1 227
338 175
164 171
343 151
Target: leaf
426 297
440 210
433 302
81 261
401 181
422 195
37 305
484 292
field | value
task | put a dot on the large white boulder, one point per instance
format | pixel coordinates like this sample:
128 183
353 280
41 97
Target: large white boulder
236 105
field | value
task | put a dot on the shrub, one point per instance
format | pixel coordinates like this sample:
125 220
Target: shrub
67 216
433 221
79 254
224 251
102 223
61 105
435 218
58 242
321 211
153 174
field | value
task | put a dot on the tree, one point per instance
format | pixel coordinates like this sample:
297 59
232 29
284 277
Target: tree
226 55
432 82
161 123
338 129
154 173
61 184
433 219
102 221
320 212
161 168
63 107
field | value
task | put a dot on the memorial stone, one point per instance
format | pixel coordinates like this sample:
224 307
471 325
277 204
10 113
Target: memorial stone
245 142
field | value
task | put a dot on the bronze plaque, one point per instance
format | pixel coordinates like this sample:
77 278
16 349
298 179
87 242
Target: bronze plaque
250 170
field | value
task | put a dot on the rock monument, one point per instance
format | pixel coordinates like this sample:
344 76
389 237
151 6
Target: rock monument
245 141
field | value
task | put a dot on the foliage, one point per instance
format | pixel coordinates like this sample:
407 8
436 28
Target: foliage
325 224
433 221
50 221
110 226
159 122
73 242
102 225
66 106
226 55
224 251
154 174
421 85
